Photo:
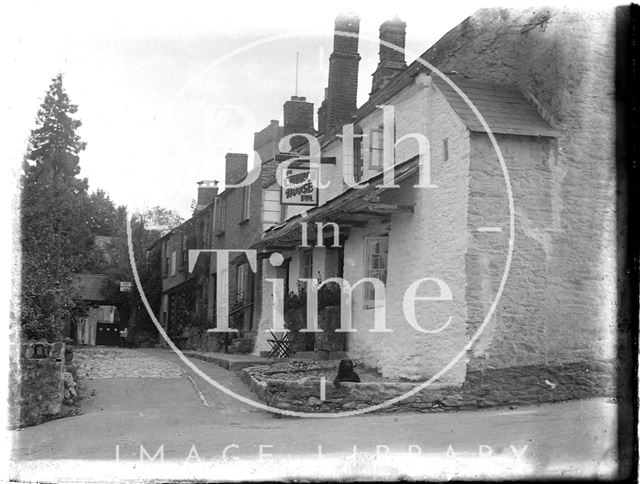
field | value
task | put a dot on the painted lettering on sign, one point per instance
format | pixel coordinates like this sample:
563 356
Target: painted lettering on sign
300 187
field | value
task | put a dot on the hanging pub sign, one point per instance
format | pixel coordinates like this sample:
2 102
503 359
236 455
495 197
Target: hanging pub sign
299 187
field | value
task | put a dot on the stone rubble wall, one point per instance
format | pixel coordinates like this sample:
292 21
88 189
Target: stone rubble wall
37 385
523 385
559 303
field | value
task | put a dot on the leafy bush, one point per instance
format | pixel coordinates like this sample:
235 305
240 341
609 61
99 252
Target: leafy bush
329 295
295 300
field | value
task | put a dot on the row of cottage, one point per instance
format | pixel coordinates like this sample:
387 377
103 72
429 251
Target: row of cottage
493 236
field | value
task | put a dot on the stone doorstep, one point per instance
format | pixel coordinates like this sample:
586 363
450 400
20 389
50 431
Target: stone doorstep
231 362
321 355
313 355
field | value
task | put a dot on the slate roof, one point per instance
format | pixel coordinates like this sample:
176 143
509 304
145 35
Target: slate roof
504 108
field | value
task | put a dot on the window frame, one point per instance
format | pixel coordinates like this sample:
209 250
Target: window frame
173 263
246 203
368 299
220 215
376 134
303 264
165 259
185 252
242 274
358 158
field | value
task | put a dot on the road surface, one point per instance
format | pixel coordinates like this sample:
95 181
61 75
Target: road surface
152 417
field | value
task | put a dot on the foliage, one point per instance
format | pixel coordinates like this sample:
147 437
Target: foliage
183 318
329 295
104 217
295 304
59 224
146 228
295 300
236 318
55 234
160 220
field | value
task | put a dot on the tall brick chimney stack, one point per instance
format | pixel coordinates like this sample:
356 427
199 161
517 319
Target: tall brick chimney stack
298 118
207 191
340 105
235 167
391 60
265 141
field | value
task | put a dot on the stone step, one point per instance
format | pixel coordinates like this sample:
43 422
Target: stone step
241 345
232 362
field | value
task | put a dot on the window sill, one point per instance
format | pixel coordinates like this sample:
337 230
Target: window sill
372 306
220 233
243 222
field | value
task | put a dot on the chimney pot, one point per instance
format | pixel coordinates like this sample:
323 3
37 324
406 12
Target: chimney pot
341 94
392 61
298 118
207 192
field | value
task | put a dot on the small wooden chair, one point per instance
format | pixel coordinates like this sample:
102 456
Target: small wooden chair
280 347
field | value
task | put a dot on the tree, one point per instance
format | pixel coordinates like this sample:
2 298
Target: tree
104 217
161 220
147 228
113 259
60 222
54 231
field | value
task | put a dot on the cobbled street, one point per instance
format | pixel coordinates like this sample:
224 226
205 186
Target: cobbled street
96 363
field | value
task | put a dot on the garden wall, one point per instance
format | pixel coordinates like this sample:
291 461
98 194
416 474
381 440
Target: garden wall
523 385
36 383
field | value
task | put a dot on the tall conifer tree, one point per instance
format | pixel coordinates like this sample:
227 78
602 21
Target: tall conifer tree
54 226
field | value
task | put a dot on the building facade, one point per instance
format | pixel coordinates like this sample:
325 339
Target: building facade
505 256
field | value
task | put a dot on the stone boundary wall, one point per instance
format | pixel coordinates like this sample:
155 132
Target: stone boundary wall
36 383
525 385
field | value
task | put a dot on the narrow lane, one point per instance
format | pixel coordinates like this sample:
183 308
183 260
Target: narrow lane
132 416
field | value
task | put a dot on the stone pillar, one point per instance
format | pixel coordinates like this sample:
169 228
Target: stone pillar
266 308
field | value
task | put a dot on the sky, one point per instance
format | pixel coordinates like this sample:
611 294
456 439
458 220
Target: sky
165 90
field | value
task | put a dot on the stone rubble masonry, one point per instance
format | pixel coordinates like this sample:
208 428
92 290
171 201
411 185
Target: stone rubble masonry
36 383
559 301
523 385
558 306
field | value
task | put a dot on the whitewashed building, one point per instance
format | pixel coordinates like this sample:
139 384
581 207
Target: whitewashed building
477 228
